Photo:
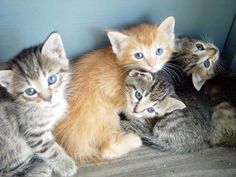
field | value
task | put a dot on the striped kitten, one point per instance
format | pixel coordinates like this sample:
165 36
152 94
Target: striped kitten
222 94
172 128
197 58
36 81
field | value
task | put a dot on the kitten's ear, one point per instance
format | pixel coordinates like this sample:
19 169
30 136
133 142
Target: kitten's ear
198 81
53 47
117 39
178 44
173 104
5 77
145 75
168 26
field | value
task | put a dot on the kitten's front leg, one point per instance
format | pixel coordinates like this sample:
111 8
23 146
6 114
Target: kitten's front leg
57 158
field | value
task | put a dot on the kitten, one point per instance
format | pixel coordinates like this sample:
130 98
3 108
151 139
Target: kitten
36 81
92 128
197 58
175 129
222 94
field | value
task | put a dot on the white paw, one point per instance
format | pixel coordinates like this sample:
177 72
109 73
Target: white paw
125 145
65 167
133 141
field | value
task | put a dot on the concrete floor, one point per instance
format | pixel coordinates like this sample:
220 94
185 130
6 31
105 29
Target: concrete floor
148 162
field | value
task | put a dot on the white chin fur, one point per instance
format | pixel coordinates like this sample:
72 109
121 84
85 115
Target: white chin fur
157 68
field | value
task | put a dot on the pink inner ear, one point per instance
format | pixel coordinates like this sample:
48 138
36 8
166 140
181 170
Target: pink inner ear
168 25
116 39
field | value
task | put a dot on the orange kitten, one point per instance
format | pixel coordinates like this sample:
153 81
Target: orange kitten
92 128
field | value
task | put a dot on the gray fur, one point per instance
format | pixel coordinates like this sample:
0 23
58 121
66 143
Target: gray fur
222 94
182 130
28 147
189 60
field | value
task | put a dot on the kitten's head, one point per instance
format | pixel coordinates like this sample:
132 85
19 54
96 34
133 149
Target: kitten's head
200 58
148 97
38 75
144 46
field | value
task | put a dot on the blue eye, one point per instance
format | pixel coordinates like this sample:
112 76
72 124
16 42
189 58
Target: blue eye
200 47
30 91
159 51
206 63
138 55
52 79
138 95
150 110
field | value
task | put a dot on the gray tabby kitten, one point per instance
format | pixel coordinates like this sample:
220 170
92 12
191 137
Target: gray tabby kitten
196 58
36 81
222 95
200 59
173 126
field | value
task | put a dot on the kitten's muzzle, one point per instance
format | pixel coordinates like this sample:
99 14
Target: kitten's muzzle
135 110
47 98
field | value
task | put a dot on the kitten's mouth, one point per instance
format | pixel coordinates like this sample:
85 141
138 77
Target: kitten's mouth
153 70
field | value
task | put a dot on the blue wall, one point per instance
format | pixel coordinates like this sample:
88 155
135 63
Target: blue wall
82 23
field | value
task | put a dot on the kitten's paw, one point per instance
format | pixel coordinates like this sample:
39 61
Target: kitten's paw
126 144
65 167
133 140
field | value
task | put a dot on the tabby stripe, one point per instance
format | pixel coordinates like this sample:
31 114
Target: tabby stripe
132 86
48 143
54 155
153 86
64 70
36 134
36 144
19 166
42 124
43 150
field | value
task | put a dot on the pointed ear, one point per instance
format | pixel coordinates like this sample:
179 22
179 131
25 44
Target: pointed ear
53 47
144 75
173 104
168 26
117 39
178 44
5 77
198 81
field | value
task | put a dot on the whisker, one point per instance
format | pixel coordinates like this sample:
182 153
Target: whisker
169 74
176 70
173 73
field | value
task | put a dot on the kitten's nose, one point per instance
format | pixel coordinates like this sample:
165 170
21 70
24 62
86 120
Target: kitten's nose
151 63
135 109
48 98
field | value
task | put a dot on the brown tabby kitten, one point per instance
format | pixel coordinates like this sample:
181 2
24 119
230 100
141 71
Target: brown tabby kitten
153 97
197 58
222 94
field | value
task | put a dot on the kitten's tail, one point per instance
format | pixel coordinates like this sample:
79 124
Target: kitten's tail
155 143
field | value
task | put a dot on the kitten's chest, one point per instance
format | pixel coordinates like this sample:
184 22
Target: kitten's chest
44 118
54 113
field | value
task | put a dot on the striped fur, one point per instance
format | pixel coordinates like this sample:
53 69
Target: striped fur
190 60
28 147
176 129
222 94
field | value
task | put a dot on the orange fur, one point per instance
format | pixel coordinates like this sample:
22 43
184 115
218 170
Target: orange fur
91 129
